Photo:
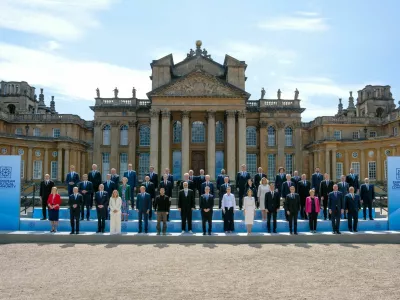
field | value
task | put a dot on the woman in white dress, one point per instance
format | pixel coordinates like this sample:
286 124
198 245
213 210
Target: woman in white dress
249 210
115 213
262 189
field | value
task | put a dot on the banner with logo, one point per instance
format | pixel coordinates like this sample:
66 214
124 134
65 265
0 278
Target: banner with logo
393 169
10 191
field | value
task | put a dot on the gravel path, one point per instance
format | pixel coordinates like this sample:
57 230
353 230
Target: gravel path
301 271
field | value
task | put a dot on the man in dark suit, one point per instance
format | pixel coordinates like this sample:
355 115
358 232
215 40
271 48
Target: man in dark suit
272 205
352 180
326 186
86 190
292 206
295 180
279 179
206 183
72 179
257 178
186 205
143 206
162 205
170 176
316 179
336 208
352 207
153 177
199 180
101 200
151 190
220 178
343 187
285 190
132 182
75 202
241 181
94 177
109 187
222 190
206 206
303 187
367 196
115 177
186 178
167 186
45 190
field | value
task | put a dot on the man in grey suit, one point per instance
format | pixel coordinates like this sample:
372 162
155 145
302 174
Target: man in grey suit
343 187
186 205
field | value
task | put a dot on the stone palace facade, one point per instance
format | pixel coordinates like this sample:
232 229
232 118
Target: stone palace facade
198 115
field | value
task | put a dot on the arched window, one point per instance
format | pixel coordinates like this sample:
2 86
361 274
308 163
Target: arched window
36 132
379 112
144 136
271 136
219 132
11 108
251 136
123 135
288 137
107 135
177 132
198 132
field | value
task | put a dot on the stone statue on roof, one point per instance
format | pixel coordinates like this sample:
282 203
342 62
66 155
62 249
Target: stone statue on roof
279 94
116 93
262 93
296 94
98 93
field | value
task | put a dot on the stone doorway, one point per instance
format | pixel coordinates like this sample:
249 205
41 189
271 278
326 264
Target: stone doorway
198 161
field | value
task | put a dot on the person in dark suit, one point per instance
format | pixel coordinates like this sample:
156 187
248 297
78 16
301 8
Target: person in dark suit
343 187
295 179
352 207
326 186
72 179
86 190
303 187
279 179
272 205
352 180
250 186
316 179
241 182
170 176
206 183
109 187
285 190
151 190
221 179
198 181
186 178
101 199
186 205
222 190
115 177
167 186
162 205
75 202
206 206
258 177
153 178
94 177
45 190
292 205
367 196
336 208
132 182
143 206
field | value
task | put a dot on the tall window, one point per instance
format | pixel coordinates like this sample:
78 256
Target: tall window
107 135
372 134
123 135
271 136
144 136
105 165
198 132
289 163
356 135
219 162
251 163
37 169
219 132
385 167
356 167
271 166
144 164
54 169
339 170
18 131
36 132
395 131
372 170
177 132
251 136
288 137
337 134
177 164
56 132
22 168
123 164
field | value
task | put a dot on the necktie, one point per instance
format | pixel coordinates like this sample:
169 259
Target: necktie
304 182
327 183
272 194
335 194
108 183
226 185
352 196
288 183
165 183
94 172
291 195
47 182
101 194
85 183
367 186
75 196
206 183
146 184
281 175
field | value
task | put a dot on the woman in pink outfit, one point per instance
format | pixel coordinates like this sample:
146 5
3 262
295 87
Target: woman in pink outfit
312 210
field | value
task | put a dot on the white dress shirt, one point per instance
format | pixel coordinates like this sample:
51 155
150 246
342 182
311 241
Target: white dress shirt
228 201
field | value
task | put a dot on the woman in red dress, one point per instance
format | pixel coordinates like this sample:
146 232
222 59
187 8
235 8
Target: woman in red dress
54 202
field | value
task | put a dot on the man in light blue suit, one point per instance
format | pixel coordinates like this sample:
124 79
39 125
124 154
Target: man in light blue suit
143 206
132 182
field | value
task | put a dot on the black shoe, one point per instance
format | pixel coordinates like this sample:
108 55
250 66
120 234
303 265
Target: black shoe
158 233
72 232
43 219
269 231
209 233
371 219
77 232
274 231
146 232
365 219
296 233
355 230
324 219
88 219
82 219
204 233
139 231
338 232
291 232
351 230
98 231
333 232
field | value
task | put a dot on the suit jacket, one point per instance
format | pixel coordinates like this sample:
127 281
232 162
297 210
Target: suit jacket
343 188
72 178
115 178
367 195
95 179
72 201
154 179
241 181
132 180
324 189
143 204
170 178
127 192
286 188
308 208
353 205
109 187
253 189
198 181
295 180
220 180
278 181
222 190
168 187
316 181
257 179
87 198
162 203
150 188
292 204
272 203
353 181
45 190
104 200
56 200
335 203
186 203
191 185
207 203
203 188
304 189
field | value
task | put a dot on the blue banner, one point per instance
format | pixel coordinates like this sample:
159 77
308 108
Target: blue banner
393 169
10 191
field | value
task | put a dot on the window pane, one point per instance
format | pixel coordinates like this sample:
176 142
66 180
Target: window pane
22 169
56 132
177 133
339 170
288 137
356 135
36 132
105 165
251 136
251 163
271 167
123 164
124 135
219 162
289 163
54 169
337 134
37 169
144 164
356 167
198 132
144 136
18 131
372 170
106 135
177 165
271 136
219 132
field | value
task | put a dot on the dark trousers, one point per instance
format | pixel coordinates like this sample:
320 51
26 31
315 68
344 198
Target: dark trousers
143 215
151 210
132 198
206 217
369 205
325 205
352 219
335 220
161 217
273 214
312 220
220 201
44 208
107 212
241 194
88 208
303 209
186 216
101 219
293 221
228 219
74 218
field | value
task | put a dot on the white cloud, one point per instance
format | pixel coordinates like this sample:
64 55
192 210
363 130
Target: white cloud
304 21
52 46
306 13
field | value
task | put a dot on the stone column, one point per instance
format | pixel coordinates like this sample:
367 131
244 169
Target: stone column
211 143
29 174
114 155
327 162
46 161
97 141
165 139
319 164
379 171
334 175
315 162
132 143
185 142
231 144
346 167
59 158
154 136
66 160
263 154
298 156
13 150
363 166
81 170
281 144
241 139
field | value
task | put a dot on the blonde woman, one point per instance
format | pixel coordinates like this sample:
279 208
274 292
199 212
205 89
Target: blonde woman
263 188
249 206
54 202
115 213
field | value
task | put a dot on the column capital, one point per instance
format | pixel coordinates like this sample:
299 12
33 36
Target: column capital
241 114
210 114
115 123
185 114
280 124
154 113
296 124
262 123
230 113
97 124
133 123
165 114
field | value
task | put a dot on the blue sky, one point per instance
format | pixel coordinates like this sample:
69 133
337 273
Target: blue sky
323 48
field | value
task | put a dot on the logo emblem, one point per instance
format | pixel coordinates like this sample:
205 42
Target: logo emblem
5 172
397 173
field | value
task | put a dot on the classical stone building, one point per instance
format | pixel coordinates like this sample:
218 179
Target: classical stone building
198 115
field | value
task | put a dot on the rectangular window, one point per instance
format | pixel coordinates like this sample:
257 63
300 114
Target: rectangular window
22 168
337 134
123 164
56 132
289 163
37 169
177 164
356 167
144 164
36 132
251 162
105 165
395 131
54 169
372 134
18 131
372 170
219 162
339 170
271 167
385 166
356 135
